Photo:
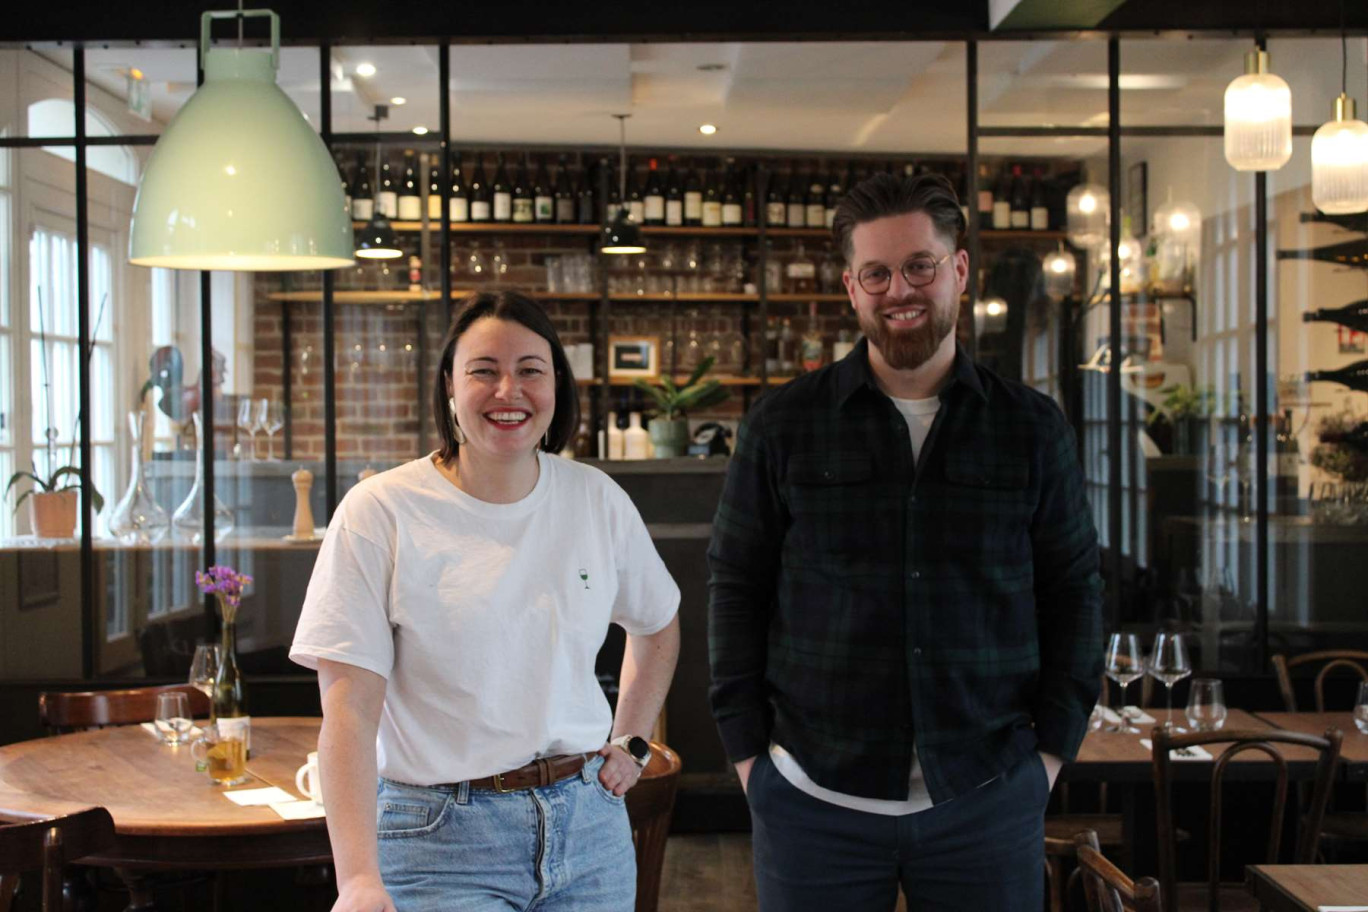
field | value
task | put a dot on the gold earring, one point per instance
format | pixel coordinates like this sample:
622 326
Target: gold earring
456 431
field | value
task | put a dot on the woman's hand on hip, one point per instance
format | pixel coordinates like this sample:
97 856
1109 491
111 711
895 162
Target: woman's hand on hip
619 771
363 894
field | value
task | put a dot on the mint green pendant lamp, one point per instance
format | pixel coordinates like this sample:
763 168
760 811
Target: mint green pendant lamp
239 180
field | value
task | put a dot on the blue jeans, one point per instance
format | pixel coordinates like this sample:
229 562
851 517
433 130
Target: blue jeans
564 847
983 850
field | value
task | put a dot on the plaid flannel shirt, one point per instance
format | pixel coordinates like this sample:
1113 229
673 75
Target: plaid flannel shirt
861 604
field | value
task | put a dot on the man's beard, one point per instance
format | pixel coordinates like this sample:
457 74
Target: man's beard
907 349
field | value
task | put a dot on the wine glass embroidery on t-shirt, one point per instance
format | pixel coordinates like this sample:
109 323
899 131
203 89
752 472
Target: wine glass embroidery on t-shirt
584 575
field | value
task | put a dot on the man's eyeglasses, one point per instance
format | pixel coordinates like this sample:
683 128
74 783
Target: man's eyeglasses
916 271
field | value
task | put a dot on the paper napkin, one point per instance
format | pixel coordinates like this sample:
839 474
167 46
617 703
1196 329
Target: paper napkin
297 810
1187 753
258 796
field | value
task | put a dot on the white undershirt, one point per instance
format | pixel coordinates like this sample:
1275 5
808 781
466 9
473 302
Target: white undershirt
919 414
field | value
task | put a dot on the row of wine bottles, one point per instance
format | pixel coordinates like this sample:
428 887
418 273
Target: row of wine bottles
668 192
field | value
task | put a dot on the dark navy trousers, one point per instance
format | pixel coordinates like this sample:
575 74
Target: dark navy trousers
984 850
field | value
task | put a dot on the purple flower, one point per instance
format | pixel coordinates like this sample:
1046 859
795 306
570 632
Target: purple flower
226 583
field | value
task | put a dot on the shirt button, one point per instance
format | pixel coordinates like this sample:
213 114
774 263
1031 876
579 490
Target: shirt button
916 574
912 499
916 651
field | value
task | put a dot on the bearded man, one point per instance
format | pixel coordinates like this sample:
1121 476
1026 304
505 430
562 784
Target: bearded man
905 624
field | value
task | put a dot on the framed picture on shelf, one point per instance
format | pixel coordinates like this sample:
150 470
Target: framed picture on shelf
630 357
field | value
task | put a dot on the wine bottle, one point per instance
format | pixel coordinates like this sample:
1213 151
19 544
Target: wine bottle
796 209
712 201
435 191
1354 376
481 206
565 196
503 193
362 194
986 203
1350 253
410 200
636 204
693 196
654 203
1356 222
458 209
674 197
228 704
1286 488
775 212
816 199
1002 202
346 187
1354 316
524 205
388 197
1021 201
1040 212
833 196
543 196
731 198
586 213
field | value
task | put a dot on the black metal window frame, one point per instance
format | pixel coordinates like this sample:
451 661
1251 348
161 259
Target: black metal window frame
1114 132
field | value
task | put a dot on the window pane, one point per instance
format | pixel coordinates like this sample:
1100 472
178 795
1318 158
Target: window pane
1043 83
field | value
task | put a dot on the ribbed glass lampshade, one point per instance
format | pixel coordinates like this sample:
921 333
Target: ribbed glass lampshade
1089 213
1339 162
1179 220
1059 268
240 181
1258 118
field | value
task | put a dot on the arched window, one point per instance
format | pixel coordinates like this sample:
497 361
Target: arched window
54 117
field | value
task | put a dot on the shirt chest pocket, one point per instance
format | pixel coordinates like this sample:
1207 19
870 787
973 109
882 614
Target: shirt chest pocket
987 507
836 505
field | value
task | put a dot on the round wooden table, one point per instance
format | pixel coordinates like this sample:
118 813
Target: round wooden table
167 815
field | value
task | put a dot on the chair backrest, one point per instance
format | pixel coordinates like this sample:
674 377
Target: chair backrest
1328 749
63 712
1108 889
1351 659
650 804
1061 892
49 845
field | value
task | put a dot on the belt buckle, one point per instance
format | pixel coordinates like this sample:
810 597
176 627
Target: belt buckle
499 786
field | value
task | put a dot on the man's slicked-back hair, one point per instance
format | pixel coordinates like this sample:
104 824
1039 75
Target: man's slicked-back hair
886 194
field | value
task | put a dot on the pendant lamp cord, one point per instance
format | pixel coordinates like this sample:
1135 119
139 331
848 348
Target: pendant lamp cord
1344 54
376 185
240 18
622 158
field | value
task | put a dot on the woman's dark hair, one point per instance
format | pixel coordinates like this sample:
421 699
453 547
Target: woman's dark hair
516 308
886 194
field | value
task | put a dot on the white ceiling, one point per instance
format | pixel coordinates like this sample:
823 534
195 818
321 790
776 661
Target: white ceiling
890 97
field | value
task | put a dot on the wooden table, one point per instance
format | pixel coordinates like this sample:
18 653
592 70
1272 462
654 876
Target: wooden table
167 815
1353 751
1305 888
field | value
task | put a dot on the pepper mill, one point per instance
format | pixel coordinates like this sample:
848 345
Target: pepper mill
303 518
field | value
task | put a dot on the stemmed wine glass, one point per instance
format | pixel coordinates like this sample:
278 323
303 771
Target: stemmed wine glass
270 418
247 421
1169 663
204 668
1124 665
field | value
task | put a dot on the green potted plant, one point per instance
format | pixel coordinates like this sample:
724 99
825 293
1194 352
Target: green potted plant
670 424
53 501
1184 408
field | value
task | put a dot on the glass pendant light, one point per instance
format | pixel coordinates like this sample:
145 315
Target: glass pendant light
1258 118
620 235
376 240
1059 268
239 180
1088 216
1181 221
1339 152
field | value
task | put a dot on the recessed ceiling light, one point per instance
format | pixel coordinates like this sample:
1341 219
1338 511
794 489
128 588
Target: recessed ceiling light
707 129
398 100
711 67
421 131
365 70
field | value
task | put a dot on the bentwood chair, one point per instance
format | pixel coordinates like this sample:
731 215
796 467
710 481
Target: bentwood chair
66 712
650 804
1213 895
1061 892
1108 889
48 845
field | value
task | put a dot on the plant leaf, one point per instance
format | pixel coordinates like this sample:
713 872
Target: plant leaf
19 476
61 473
703 367
22 497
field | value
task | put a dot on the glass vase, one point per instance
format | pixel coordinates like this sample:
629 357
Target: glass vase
138 519
188 520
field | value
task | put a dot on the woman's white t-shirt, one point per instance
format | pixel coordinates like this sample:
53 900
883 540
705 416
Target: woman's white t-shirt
485 619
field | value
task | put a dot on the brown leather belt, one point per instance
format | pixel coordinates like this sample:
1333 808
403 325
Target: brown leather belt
542 771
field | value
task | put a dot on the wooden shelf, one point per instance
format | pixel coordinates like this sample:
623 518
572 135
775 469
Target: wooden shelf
684 231
680 378
802 298
406 297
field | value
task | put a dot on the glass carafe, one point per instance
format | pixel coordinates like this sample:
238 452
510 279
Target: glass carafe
138 519
188 520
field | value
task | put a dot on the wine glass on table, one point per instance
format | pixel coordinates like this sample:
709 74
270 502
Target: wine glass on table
271 418
1124 665
204 668
1169 664
247 422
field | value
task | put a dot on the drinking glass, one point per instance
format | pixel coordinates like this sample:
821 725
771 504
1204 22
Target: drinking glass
1361 708
1206 709
271 418
223 754
1169 663
173 717
204 668
1124 665
247 421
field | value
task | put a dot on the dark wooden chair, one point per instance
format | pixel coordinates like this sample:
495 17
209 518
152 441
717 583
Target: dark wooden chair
1106 888
650 805
66 712
1348 826
48 845
1062 893
1213 895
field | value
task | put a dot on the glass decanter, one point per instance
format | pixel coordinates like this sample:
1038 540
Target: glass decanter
188 520
138 519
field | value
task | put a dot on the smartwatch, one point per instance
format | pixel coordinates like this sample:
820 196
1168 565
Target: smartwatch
637 747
